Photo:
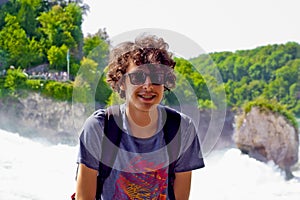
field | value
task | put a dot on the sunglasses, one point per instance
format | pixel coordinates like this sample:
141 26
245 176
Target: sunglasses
139 78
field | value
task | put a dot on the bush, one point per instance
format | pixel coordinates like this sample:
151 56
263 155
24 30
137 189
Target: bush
35 85
15 79
58 90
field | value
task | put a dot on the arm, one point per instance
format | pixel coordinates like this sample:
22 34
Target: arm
182 185
86 183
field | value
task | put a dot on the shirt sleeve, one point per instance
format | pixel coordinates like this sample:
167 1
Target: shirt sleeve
90 141
190 157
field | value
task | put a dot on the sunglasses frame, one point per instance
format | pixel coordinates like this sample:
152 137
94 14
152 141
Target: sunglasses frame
145 75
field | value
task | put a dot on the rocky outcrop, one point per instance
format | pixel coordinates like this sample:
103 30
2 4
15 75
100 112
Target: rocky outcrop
268 136
43 118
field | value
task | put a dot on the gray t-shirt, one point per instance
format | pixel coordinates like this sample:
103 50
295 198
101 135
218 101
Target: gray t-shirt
140 170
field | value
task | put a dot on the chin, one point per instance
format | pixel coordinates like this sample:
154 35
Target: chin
144 107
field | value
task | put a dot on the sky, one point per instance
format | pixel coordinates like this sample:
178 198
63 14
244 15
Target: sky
214 25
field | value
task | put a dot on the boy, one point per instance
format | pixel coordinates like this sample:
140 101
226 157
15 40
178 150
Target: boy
144 166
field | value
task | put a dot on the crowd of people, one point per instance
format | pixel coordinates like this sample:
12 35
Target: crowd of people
57 76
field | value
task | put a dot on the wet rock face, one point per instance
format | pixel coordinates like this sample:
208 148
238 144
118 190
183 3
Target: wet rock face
39 117
267 136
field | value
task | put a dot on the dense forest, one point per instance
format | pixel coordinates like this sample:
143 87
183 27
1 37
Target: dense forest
271 72
35 33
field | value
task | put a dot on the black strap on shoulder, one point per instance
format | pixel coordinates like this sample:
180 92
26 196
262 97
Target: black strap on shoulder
172 135
109 146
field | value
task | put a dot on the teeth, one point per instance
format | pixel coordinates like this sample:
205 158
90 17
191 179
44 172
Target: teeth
147 97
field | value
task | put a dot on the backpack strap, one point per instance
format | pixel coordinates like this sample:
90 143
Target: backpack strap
173 141
111 141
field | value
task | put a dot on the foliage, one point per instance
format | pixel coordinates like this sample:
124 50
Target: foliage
82 92
270 72
114 99
34 32
3 90
195 85
13 41
3 59
58 90
29 10
271 105
91 78
56 57
103 91
35 85
190 83
96 47
15 79
60 25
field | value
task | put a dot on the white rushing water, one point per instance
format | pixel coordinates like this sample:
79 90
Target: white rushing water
32 171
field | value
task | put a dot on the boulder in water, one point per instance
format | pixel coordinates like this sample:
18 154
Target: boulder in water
267 135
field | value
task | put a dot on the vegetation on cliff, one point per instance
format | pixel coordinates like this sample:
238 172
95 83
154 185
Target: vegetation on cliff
267 106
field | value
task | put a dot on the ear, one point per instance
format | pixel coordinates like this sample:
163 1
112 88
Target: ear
122 90
122 85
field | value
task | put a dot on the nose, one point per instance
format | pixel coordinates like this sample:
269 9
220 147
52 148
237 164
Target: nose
148 80
148 84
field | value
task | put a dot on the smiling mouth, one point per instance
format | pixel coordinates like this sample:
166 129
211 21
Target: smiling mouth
146 96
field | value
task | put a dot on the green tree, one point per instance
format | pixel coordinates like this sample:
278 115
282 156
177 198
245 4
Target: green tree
14 80
256 72
62 25
27 16
18 48
11 7
194 78
103 91
13 40
57 57
97 49
3 59
240 68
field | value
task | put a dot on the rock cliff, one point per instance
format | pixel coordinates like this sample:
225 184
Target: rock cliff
43 118
266 136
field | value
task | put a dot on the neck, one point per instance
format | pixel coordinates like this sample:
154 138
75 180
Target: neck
142 123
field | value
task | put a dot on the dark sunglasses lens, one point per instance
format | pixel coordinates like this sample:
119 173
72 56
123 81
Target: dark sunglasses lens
157 78
170 80
137 78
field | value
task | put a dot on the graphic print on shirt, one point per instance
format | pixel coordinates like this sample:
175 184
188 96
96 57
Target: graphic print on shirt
151 184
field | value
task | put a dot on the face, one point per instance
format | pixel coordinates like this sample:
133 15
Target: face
143 88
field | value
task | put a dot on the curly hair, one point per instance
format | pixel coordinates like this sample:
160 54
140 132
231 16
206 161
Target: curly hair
145 50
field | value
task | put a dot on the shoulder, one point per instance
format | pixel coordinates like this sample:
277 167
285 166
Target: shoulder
99 114
185 120
95 120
